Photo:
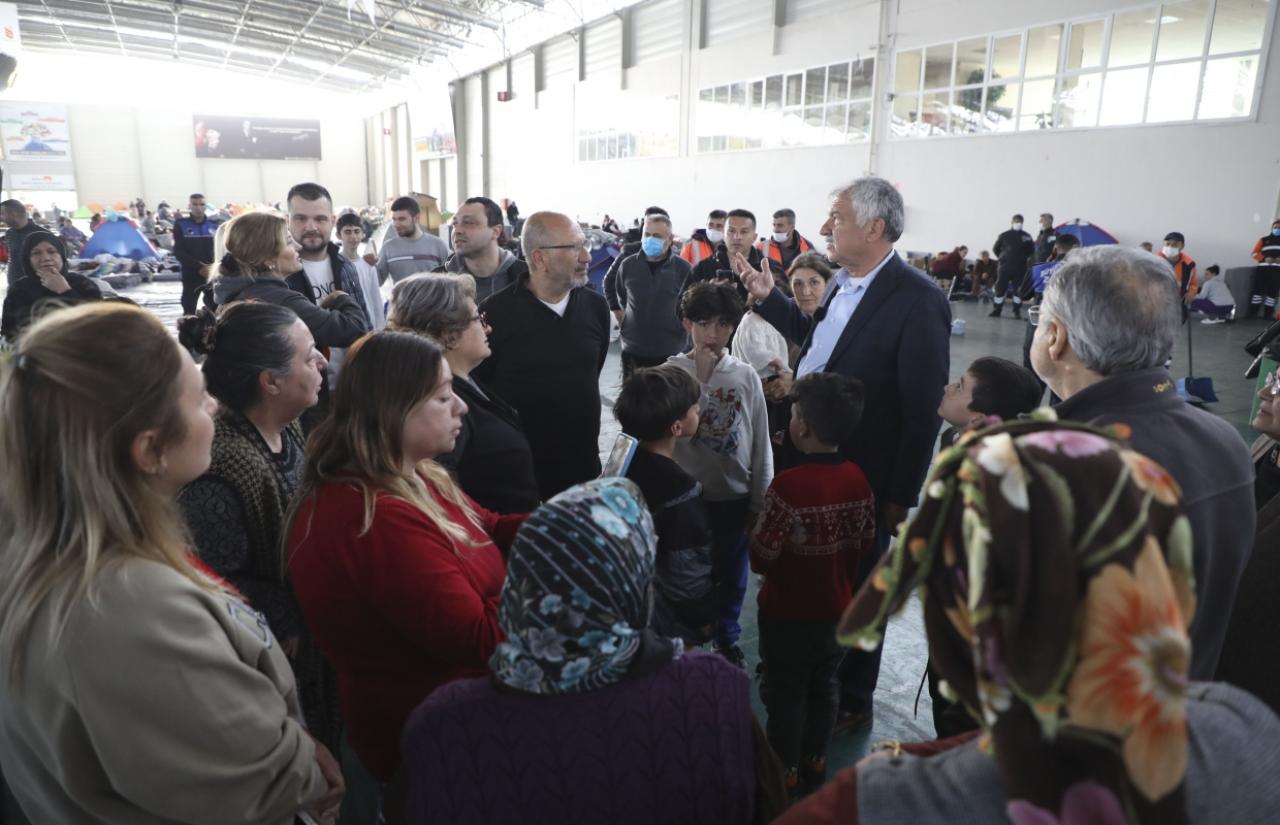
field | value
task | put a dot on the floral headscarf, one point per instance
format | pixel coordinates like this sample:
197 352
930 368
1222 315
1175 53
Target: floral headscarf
576 604
1054 566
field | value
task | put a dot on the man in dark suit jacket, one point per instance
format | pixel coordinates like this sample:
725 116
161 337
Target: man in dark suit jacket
886 324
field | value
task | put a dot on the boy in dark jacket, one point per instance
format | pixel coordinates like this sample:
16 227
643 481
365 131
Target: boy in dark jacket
658 406
819 520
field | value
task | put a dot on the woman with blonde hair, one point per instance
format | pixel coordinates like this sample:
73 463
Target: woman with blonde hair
259 265
395 567
492 459
136 686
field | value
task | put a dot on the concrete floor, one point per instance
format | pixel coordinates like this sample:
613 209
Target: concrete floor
898 715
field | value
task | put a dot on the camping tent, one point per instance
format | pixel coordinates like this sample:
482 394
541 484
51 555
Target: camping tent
1088 233
119 238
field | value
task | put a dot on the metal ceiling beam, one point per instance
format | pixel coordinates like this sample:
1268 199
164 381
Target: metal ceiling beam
64 34
244 11
289 49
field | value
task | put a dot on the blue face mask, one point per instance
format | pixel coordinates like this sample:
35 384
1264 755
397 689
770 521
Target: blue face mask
1275 230
651 246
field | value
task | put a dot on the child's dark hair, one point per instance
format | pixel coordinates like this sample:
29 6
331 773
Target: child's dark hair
831 404
349 219
653 399
712 301
1065 243
1003 388
1213 268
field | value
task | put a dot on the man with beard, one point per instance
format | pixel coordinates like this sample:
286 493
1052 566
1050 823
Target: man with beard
549 342
411 250
193 247
477 226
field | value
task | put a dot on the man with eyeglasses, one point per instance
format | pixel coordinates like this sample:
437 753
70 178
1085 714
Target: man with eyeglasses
1105 331
1040 275
477 226
739 239
549 342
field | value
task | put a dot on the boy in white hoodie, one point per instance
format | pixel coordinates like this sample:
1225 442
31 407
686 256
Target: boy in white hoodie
730 455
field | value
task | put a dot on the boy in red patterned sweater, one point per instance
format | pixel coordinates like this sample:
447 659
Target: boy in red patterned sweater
817 522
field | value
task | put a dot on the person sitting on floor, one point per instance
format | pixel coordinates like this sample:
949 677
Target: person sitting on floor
586 715
1214 300
1054 566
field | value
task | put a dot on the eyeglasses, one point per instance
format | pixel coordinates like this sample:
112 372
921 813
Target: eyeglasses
1033 316
479 316
582 245
1271 386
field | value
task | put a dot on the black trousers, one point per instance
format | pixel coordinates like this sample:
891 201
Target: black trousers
192 283
860 669
799 687
631 363
1266 286
1011 280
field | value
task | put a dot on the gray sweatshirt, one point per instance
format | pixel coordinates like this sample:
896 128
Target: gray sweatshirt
402 257
731 453
510 268
649 295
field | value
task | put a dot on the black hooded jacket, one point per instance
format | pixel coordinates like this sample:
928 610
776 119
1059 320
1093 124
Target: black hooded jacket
28 296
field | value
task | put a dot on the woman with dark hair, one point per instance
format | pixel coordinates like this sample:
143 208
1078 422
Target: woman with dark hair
262 365
1054 566
607 721
492 459
398 571
48 282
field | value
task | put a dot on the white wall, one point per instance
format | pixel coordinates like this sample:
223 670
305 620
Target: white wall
121 153
1217 183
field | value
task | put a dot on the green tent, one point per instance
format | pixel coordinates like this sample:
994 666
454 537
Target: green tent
82 212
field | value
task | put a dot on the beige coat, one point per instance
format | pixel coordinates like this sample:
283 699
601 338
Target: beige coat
166 704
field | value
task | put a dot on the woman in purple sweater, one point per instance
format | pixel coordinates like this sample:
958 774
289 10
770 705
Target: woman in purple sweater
588 715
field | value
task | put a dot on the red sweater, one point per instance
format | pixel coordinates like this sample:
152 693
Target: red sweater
396 612
818 521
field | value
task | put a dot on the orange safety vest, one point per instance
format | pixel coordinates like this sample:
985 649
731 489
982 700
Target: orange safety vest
695 250
769 248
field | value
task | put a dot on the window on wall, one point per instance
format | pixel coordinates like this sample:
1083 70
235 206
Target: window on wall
646 127
1163 63
818 106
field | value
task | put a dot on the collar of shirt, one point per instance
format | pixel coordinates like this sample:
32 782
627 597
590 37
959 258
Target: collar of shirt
845 282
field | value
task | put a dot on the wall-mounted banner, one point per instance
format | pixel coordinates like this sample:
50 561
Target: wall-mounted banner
35 131
257 138
40 183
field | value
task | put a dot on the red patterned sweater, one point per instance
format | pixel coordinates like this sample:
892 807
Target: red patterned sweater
818 520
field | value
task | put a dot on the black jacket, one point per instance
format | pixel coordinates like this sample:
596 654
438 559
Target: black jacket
193 245
1014 249
898 344
337 327
1044 244
345 278
1212 465
492 460
548 368
28 295
708 269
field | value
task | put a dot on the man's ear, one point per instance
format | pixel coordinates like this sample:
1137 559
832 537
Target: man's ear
1057 344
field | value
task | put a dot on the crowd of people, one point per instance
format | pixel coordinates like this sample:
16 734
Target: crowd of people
344 549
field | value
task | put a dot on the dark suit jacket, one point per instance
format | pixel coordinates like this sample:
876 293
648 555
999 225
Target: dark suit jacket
898 344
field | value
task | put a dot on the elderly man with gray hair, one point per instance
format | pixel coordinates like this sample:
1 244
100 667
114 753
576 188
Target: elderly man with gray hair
886 324
644 297
1104 333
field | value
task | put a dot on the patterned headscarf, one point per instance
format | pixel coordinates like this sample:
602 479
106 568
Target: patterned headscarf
576 604
1054 566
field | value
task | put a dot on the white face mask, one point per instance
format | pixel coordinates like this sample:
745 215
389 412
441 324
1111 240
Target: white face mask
1017 225
781 237
1171 251
715 235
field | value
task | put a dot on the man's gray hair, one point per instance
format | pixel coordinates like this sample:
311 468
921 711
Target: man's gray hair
873 198
1120 307
656 218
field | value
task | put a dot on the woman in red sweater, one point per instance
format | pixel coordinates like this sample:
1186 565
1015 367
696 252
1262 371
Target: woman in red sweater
396 569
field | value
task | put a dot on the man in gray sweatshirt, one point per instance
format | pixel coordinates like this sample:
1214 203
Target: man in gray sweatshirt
410 250
643 295
477 225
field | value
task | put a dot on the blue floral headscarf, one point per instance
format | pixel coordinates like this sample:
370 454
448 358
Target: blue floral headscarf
576 604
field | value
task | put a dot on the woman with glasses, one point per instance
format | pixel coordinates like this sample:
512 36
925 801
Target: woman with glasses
491 459
1248 659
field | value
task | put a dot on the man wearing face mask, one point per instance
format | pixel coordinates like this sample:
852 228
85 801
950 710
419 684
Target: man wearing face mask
1184 269
1266 277
702 244
1014 249
629 248
739 239
644 299
785 244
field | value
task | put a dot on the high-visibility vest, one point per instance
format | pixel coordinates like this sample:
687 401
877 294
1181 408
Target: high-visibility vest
695 250
769 248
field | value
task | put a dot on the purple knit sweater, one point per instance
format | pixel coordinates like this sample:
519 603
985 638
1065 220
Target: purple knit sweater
671 747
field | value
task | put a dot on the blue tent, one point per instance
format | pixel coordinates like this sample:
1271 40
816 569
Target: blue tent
1088 233
121 239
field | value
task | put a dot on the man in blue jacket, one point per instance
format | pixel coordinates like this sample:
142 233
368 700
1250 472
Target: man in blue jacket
886 324
193 247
